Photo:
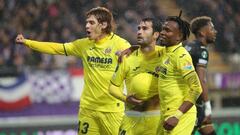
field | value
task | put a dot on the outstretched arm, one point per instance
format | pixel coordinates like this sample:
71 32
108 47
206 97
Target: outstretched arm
45 47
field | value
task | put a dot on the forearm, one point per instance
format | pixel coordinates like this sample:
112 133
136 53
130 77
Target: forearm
202 74
186 105
46 47
195 87
204 90
117 92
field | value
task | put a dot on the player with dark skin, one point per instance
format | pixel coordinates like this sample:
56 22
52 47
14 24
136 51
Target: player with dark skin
179 86
183 113
205 35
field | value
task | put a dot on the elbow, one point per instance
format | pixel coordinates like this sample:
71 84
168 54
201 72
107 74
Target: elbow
111 89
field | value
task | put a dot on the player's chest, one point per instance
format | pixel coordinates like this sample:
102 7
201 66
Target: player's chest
145 66
167 67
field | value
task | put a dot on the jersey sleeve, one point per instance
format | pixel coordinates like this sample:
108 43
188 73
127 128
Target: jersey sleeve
202 58
76 47
199 54
195 87
46 47
123 44
184 63
187 70
119 74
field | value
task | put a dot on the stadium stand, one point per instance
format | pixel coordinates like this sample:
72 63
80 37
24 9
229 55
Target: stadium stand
34 18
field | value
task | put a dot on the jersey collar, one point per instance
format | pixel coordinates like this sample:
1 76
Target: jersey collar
200 44
173 48
149 54
101 41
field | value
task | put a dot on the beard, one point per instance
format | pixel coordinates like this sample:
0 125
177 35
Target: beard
210 40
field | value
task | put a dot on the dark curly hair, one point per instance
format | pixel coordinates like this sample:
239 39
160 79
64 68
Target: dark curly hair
184 26
197 23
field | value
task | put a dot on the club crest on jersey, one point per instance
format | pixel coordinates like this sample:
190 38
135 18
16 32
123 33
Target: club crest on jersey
157 69
107 50
161 69
204 54
167 61
188 66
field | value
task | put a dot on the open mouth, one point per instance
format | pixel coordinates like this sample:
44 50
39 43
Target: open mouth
88 33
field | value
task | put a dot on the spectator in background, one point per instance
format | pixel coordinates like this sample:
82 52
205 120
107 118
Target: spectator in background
36 16
99 113
35 12
205 34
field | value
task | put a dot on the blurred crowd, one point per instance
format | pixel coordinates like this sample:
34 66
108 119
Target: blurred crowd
226 17
59 21
64 21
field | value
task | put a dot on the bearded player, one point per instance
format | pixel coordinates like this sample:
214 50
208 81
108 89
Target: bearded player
138 71
205 34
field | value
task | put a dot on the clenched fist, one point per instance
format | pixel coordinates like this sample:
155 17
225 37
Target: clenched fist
20 39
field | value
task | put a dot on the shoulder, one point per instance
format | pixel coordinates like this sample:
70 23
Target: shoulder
158 47
192 46
182 53
82 41
79 42
117 38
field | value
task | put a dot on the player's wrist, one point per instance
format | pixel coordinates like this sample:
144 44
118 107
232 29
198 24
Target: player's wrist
208 108
178 114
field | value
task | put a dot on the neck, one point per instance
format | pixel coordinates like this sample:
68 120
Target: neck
173 44
148 48
202 40
103 35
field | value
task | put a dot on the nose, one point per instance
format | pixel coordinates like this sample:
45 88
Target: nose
139 32
162 32
87 25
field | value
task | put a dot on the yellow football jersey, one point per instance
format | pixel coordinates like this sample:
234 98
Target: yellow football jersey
136 66
99 62
174 67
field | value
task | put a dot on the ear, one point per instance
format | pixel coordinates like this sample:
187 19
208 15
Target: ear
104 25
201 33
156 35
180 37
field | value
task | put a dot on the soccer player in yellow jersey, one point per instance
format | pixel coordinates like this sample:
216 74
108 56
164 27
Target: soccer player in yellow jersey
139 73
179 86
99 113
